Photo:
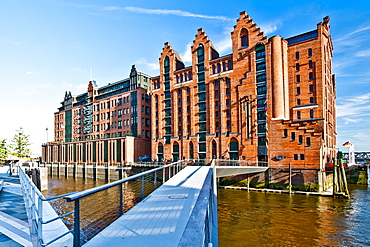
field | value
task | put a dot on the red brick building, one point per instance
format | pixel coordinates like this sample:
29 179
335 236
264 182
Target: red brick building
109 124
271 100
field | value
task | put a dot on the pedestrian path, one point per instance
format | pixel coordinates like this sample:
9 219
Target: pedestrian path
14 228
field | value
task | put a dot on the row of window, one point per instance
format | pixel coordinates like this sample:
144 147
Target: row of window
311 77
187 76
312 101
300 138
222 67
299 114
311 89
298 66
309 54
111 103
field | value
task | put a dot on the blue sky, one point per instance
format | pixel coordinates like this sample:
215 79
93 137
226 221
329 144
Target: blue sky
48 47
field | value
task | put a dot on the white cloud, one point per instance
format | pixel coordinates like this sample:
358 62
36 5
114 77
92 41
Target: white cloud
352 120
354 107
363 53
81 86
165 12
224 45
151 66
186 56
271 27
360 30
349 35
32 73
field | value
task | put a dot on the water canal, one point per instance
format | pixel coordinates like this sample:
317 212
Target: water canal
249 218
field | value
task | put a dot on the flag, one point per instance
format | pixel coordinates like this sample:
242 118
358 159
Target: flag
347 144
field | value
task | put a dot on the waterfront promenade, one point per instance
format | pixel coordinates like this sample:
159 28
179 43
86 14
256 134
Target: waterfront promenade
14 229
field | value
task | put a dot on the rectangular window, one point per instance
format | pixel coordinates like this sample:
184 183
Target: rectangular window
297 67
310 88
285 133
217 83
227 102
311 114
295 156
216 93
312 100
308 141
227 91
298 90
309 52
261 90
298 78
298 101
302 156
293 136
217 114
298 114
310 76
300 139
297 55
310 64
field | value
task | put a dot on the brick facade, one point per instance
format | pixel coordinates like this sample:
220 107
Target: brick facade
272 100
110 124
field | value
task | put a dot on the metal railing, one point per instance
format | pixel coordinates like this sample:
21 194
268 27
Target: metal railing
201 229
240 163
47 228
94 209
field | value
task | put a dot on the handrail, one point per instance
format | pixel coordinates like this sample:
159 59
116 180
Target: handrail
37 208
78 195
84 210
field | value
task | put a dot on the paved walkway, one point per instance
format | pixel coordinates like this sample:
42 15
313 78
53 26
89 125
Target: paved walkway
160 219
14 229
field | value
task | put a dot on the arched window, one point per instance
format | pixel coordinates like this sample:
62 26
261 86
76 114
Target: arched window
214 150
244 38
191 150
200 53
160 152
166 65
234 149
175 152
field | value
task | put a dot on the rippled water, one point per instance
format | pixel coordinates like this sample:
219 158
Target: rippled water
268 219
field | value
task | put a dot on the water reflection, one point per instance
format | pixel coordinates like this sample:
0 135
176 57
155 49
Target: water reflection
99 209
268 219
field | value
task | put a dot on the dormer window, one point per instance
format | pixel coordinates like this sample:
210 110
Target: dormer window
244 37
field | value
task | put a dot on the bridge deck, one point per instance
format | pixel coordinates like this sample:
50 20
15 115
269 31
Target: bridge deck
160 219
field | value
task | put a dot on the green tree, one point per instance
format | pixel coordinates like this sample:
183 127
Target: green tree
20 143
3 150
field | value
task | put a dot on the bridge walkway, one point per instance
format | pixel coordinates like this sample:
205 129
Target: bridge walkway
14 228
161 218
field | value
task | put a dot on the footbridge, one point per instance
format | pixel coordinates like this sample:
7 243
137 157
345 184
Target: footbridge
171 205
